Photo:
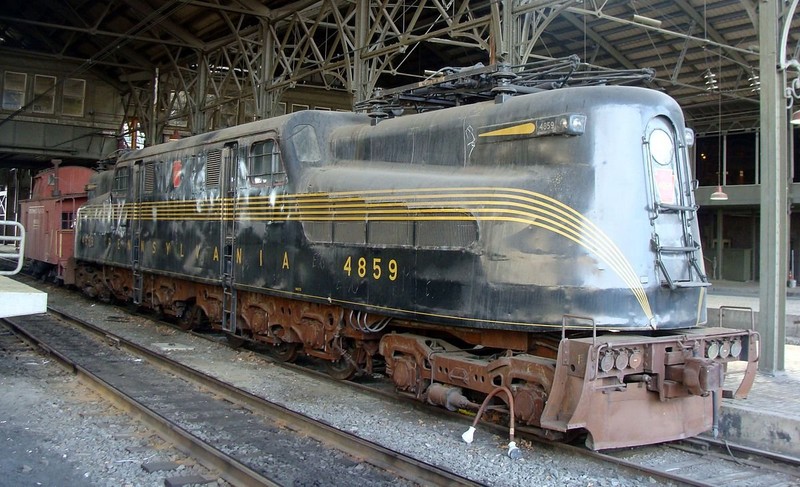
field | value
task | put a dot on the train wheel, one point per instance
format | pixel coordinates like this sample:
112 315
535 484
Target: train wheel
284 352
345 367
191 319
341 369
235 341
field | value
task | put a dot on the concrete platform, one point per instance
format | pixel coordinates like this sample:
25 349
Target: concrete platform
745 294
17 299
769 419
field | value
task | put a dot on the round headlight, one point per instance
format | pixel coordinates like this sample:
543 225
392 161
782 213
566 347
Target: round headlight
736 348
636 359
713 350
622 360
725 349
661 147
607 362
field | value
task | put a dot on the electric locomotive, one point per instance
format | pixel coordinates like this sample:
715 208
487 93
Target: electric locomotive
545 243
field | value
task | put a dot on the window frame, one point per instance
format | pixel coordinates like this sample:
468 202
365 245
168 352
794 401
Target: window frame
6 90
68 220
65 95
48 93
116 186
274 175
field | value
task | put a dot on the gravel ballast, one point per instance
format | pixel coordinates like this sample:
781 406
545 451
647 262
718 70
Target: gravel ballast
57 432
394 424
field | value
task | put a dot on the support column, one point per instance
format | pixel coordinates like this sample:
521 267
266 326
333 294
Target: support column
507 47
774 189
152 136
719 247
265 101
360 67
199 113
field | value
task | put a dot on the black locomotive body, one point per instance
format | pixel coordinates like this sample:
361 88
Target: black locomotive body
420 237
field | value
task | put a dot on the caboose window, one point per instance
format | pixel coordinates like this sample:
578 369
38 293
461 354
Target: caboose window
14 90
265 165
67 220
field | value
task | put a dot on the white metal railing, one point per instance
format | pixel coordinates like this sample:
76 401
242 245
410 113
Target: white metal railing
12 247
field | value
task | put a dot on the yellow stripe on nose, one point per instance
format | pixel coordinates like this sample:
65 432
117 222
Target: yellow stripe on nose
522 129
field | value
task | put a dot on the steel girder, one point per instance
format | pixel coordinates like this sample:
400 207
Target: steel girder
330 44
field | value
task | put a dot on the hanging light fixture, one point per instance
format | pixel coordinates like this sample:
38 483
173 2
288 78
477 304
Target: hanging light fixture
795 118
648 21
719 195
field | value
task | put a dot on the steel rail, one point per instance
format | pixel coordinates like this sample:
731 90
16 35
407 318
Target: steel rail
210 457
605 457
254 402
523 432
726 449
379 456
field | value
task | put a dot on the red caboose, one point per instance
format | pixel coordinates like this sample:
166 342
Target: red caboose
49 220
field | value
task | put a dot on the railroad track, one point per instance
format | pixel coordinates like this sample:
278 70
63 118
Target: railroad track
695 462
249 440
701 462
707 463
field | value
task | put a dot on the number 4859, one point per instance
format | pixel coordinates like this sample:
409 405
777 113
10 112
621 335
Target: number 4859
377 269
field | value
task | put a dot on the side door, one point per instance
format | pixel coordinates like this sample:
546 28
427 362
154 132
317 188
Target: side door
119 212
227 243
142 193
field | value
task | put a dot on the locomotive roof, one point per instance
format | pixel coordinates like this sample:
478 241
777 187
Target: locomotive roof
342 124
278 124
71 180
553 102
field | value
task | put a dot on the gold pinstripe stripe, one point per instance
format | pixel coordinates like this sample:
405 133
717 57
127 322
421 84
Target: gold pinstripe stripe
700 304
422 204
521 129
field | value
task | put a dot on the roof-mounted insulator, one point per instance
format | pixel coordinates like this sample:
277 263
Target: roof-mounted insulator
378 107
502 79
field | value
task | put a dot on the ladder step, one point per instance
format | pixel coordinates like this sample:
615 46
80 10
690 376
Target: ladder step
678 249
689 284
665 206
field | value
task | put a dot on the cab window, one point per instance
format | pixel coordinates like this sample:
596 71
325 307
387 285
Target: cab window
121 179
265 165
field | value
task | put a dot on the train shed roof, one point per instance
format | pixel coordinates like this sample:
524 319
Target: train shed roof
704 52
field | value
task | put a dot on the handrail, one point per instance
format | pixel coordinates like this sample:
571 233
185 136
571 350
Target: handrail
566 317
18 243
738 308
